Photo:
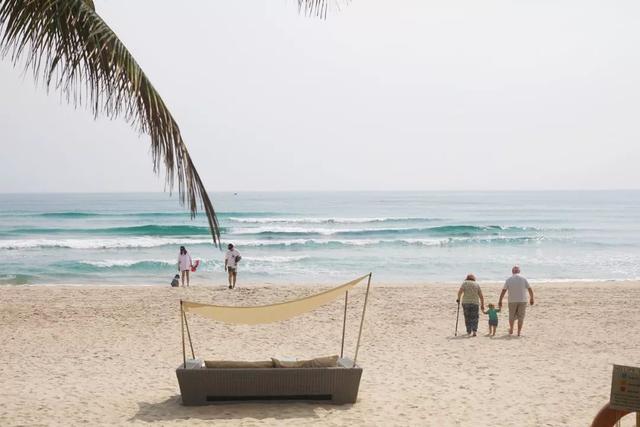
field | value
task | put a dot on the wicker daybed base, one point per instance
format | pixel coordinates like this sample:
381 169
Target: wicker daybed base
334 385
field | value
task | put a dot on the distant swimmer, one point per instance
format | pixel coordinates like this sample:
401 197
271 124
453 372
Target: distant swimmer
231 260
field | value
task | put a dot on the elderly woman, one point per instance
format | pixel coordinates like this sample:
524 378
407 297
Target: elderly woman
470 294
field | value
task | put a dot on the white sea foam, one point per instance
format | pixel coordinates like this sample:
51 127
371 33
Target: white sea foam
497 239
126 262
276 258
109 263
115 243
342 242
151 242
325 220
444 241
315 230
331 231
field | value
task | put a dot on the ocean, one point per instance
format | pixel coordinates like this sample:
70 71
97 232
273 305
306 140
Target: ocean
322 237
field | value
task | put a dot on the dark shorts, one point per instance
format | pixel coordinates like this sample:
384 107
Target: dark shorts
493 322
232 269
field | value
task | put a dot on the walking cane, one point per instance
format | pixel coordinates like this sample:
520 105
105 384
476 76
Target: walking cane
457 317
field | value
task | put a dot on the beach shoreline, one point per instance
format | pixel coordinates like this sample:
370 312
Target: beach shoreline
221 283
100 354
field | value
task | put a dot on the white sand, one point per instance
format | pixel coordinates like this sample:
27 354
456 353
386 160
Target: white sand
106 355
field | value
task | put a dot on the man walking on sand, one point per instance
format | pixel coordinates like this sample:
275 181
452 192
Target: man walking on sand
517 286
231 259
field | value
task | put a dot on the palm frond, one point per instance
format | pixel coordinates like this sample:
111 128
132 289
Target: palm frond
313 7
319 8
66 43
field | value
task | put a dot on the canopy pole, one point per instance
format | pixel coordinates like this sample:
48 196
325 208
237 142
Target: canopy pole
184 352
193 356
344 323
364 310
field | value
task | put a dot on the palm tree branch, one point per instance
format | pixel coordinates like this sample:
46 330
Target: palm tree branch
67 43
313 7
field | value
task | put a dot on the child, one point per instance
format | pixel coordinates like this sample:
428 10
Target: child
493 319
176 281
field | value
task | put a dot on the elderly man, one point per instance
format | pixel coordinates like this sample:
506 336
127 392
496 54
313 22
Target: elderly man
517 286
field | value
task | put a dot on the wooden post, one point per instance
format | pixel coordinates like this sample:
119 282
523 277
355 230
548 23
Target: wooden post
344 323
364 310
184 351
638 419
193 356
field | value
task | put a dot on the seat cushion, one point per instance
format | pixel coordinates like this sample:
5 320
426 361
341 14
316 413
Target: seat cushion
318 362
230 364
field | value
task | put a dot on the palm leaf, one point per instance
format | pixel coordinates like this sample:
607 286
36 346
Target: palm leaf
313 7
66 43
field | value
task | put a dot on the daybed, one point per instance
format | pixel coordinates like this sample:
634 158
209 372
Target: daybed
330 379
337 385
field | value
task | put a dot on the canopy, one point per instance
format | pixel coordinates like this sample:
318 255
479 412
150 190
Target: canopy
268 313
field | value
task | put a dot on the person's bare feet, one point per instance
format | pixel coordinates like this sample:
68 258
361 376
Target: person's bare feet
511 331
474 334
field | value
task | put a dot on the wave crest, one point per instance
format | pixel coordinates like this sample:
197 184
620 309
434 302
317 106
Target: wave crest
327 220
133 242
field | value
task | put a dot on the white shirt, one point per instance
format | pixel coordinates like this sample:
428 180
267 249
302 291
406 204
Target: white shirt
184 262
517 287
230 257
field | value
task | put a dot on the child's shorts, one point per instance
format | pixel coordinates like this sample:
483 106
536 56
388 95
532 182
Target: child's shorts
493 322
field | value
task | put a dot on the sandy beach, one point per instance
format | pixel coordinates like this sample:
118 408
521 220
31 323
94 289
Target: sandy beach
106 355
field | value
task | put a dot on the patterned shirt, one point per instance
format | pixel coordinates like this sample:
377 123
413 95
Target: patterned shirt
471 292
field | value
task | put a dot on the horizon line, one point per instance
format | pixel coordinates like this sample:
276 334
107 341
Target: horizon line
171 193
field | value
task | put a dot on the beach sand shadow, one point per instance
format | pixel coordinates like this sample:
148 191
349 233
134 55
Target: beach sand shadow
460 337
508 337
172 409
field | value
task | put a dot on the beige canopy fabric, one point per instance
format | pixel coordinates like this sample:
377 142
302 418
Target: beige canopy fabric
268 313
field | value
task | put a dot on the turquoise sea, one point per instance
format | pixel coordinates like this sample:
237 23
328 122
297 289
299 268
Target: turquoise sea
313 237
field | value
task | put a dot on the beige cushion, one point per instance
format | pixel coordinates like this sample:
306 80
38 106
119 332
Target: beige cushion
277 363
324 362
225 364
319 362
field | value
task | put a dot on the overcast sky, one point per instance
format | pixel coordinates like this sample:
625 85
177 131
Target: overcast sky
383 95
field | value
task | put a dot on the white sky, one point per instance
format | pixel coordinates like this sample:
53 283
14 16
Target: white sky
383 95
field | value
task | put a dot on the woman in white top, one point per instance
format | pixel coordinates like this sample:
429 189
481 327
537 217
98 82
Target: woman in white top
471 295
184 264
